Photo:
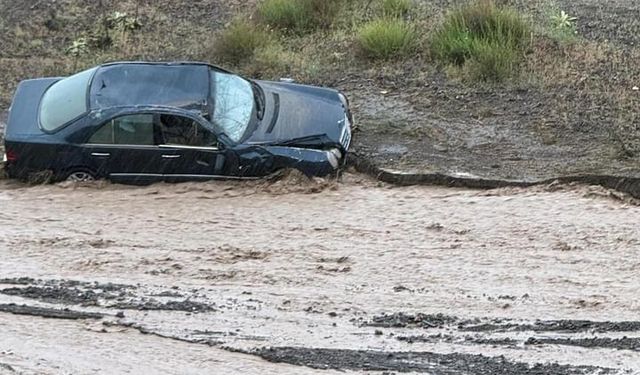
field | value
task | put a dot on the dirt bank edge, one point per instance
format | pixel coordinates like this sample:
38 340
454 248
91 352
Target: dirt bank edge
625 184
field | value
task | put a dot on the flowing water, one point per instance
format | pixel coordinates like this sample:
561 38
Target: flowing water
297 276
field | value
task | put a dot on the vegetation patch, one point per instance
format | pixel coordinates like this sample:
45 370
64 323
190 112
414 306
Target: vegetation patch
298 16
240 41
396 8
491 38
387 38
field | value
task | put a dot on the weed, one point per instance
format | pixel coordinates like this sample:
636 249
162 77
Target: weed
77 49
387 38
123 23
562 20
563 26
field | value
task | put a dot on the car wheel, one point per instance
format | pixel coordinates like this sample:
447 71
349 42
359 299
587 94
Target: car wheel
81 175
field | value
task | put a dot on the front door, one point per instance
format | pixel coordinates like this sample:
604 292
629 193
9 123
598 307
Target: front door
191 150
125 149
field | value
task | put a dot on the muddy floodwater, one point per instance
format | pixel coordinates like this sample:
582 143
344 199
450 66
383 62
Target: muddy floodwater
296 277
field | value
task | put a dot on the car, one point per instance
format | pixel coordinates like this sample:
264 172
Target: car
142 122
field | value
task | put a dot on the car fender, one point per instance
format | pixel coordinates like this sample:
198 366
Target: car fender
312 162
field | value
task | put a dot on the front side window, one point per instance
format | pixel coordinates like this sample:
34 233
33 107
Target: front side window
183 131
65 101
126 130
233 103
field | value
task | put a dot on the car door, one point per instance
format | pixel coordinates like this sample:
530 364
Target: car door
126 149
192 150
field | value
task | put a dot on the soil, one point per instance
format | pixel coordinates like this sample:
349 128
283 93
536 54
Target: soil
258 277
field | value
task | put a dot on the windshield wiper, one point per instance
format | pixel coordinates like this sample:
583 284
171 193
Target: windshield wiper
258 96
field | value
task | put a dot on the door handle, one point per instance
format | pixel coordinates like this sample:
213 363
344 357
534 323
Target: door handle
100 154
170 156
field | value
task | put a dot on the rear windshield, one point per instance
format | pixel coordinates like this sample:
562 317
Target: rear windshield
65 100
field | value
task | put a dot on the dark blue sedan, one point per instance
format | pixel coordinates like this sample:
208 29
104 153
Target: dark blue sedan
140 122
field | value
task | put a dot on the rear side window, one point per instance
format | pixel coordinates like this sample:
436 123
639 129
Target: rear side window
65 100
126 130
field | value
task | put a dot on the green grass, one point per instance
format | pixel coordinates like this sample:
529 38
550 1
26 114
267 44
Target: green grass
396 8
387 38
239 42
491 62
298 16
491 38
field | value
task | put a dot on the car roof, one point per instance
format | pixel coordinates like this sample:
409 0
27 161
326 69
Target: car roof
182 85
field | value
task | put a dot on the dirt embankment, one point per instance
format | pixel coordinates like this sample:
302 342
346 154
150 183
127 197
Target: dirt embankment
572 113
309 276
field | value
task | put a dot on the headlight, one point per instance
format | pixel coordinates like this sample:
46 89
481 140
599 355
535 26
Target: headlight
334 155
345 103
344 100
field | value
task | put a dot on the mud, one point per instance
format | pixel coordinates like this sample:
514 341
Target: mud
624 343
421 362
47 312
350 270
114 296
426 321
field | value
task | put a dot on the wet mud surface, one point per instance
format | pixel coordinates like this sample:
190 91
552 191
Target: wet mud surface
421 362
310 276
47 312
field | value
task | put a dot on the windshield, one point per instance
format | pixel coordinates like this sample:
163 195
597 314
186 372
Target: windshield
233 103
65 100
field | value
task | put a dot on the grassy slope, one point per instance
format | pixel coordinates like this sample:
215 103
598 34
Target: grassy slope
569 94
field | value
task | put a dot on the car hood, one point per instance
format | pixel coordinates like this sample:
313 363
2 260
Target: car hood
299 115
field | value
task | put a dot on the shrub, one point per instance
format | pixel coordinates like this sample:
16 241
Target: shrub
387 38
483 34
239 42
395 8
298 15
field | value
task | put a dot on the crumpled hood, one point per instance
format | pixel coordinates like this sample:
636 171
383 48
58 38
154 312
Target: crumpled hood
311 115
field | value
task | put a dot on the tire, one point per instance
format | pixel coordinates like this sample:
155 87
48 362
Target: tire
79 175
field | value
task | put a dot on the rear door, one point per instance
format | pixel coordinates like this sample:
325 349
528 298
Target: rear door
125 149
191 150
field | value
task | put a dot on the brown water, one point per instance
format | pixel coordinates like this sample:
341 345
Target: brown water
308 264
